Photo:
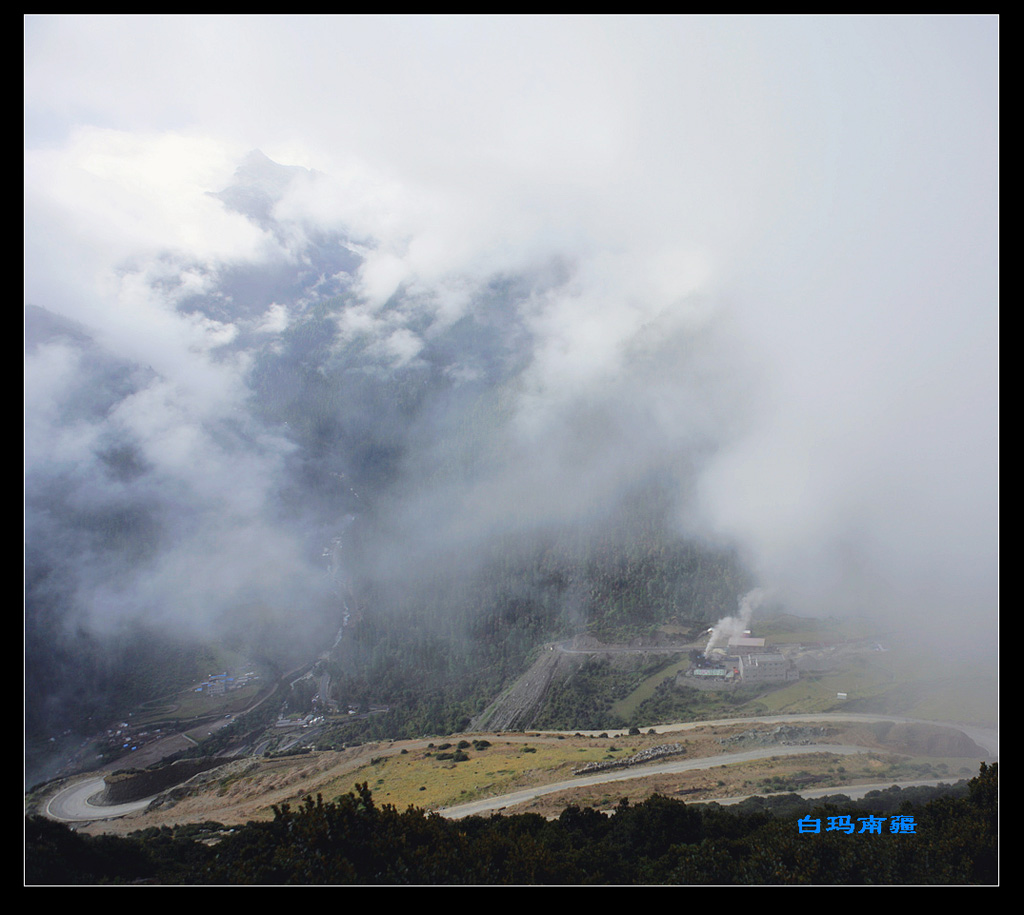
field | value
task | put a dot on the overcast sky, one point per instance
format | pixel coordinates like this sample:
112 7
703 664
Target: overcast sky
826 188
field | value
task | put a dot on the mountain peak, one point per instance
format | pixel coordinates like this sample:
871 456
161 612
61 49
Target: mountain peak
259 170
259 183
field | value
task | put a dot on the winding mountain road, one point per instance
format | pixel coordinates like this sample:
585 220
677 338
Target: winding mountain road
986 738
76 802
645 771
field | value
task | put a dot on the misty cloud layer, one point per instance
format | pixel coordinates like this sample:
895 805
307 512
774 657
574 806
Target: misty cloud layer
751 261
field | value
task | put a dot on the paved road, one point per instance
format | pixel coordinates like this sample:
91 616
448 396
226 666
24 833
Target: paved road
619 775
73 804
986 738
631 649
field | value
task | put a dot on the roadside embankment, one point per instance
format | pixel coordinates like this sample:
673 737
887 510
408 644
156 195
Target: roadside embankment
133 785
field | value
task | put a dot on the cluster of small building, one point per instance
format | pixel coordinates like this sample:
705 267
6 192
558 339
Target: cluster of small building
219 684
125 736
746 660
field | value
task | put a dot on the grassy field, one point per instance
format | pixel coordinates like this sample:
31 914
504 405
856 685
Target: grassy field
785 628
411 773
626 708
189 704
185 704
896 682
770 776
903 679
419 779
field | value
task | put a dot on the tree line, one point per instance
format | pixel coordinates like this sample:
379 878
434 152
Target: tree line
353 840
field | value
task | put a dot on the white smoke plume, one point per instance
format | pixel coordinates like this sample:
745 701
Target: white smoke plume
730 626
754 257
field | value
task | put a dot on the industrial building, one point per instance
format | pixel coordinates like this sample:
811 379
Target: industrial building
766 668
747 660
712 672
744 644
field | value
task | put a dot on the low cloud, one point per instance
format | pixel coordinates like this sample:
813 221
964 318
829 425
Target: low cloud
753 257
